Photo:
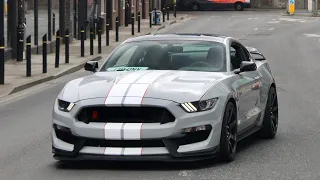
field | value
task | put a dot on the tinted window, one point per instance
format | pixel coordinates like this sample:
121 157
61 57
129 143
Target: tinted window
168 55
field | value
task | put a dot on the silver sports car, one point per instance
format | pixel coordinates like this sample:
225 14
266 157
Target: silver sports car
166 97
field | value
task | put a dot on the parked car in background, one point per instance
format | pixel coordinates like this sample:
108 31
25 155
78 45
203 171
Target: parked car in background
197 5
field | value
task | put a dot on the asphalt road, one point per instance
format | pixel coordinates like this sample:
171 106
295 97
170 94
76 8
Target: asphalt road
292 49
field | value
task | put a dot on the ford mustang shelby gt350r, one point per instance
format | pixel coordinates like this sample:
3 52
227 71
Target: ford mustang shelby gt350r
166 97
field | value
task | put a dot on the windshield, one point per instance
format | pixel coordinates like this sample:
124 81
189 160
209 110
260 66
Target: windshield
168 55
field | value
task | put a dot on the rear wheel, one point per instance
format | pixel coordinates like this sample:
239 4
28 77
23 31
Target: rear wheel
228 140
239 6
195 7
270 121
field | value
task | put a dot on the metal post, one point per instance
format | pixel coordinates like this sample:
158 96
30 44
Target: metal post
57 49
20 42
139 22
150 19
44 54
117 29
2 42
163 14
82 17
29 56
91 41
12 26
107 33
175 10
49 20
66 46
126 14
54 24
62 20
36 24
99 39
74 19
82 41
168 10
132 23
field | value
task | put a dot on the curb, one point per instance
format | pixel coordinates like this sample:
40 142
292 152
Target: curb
60 74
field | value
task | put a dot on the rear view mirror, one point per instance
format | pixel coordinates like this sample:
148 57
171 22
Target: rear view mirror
174 48
91 66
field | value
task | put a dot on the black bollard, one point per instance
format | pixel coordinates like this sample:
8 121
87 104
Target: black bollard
107 33
139 22
57 49
82 41
54 24
175 10
67 42
99 39
150 19
164 15
91 41
117 29
20 42
168 13
132 23
28 56
2 48
44 54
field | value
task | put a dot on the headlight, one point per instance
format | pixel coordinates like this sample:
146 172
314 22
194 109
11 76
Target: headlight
65 106
198 106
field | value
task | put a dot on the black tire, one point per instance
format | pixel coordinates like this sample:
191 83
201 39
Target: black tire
270 119
195 7
228 139
239 6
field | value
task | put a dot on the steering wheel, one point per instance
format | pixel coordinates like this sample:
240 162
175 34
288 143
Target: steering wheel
202 63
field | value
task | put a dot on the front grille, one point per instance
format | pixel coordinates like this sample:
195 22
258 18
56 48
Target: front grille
124 143
125 115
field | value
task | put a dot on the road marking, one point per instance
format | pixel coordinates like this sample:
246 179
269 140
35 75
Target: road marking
273 22
271 29
231 18
256 29
312 35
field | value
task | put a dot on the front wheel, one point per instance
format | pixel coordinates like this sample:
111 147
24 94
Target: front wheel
195 7
228 140
239 6
270 120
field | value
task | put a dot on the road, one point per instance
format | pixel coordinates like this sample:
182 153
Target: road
292 49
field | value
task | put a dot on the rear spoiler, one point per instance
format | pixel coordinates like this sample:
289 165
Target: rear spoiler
257 55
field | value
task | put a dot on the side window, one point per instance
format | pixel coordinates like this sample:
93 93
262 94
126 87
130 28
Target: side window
236 56
246 54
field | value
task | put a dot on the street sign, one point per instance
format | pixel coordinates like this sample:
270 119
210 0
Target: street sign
291 6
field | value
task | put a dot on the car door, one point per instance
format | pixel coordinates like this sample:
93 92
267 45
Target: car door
247 88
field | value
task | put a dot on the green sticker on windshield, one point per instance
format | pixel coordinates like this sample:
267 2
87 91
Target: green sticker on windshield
127 68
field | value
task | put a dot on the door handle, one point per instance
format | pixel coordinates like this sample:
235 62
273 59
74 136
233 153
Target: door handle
257 77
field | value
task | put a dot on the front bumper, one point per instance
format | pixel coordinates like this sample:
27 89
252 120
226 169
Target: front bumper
75 140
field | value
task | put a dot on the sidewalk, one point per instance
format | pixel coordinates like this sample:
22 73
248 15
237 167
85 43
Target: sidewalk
15 72
300 12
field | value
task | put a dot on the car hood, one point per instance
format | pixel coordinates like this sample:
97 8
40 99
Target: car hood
177 86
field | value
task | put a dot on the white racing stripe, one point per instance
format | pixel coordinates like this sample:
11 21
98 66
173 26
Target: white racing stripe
132 151
136 93
116 94
150 77
113 131
132 131
132 77
112 151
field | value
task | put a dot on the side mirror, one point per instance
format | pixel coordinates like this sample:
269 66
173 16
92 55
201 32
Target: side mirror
258 56
91 66
246 66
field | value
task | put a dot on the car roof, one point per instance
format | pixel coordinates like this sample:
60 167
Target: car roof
181 36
